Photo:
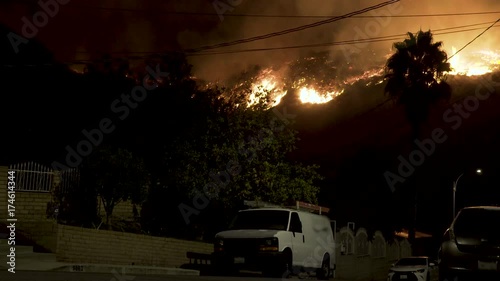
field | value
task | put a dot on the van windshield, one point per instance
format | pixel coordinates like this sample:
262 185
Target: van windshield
261 219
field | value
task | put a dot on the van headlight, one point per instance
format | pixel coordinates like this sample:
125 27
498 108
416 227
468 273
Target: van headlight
271 241
269 245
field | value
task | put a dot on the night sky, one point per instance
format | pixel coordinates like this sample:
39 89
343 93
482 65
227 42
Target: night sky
354 141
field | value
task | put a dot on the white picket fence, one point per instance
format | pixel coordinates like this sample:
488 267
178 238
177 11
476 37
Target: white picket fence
31 176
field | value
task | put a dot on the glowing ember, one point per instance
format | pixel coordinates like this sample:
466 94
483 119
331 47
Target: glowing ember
478 63
309 95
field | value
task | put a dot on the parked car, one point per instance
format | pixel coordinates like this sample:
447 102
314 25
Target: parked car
471 245
277 241
411 269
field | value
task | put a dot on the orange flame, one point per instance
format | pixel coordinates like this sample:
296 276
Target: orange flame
482 62
310 95
264 87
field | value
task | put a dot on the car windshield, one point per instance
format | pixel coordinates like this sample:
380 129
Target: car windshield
262 219
477 222
412 261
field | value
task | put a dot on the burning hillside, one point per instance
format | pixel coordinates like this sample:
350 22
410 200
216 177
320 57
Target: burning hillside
475 63
320 79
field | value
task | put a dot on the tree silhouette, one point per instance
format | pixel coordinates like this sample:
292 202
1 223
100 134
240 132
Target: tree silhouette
116 175
415 76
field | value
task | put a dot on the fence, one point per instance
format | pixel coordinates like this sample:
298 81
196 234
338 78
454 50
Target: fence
31 176
361 256
36 178
360 244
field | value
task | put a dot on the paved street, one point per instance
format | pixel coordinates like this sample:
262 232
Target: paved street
75 276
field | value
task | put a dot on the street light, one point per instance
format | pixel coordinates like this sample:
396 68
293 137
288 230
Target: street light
454 191
478 172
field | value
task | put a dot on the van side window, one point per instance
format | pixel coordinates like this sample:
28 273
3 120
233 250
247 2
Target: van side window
295 223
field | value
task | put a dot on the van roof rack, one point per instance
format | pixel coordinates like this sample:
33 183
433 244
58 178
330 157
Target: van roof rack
299 205
303 206
260 204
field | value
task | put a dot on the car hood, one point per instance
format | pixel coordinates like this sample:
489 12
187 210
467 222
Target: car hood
246 233
407 268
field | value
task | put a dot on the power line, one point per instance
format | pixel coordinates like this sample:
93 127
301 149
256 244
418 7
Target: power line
146 55
498 20
347 42
291 30
377 16
336 43
129 10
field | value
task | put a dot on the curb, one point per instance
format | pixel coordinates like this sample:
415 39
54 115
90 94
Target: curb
126 270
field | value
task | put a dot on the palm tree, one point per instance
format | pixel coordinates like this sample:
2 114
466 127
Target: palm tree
415 76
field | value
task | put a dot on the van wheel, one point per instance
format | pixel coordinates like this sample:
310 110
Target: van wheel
323 273
286 265
281 269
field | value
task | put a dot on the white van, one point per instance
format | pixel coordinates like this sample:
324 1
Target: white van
277 241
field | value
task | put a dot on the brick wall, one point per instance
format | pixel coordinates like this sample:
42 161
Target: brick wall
31 206
122 211
31 215
81 245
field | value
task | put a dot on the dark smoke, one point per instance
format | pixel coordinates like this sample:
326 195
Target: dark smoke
81 31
